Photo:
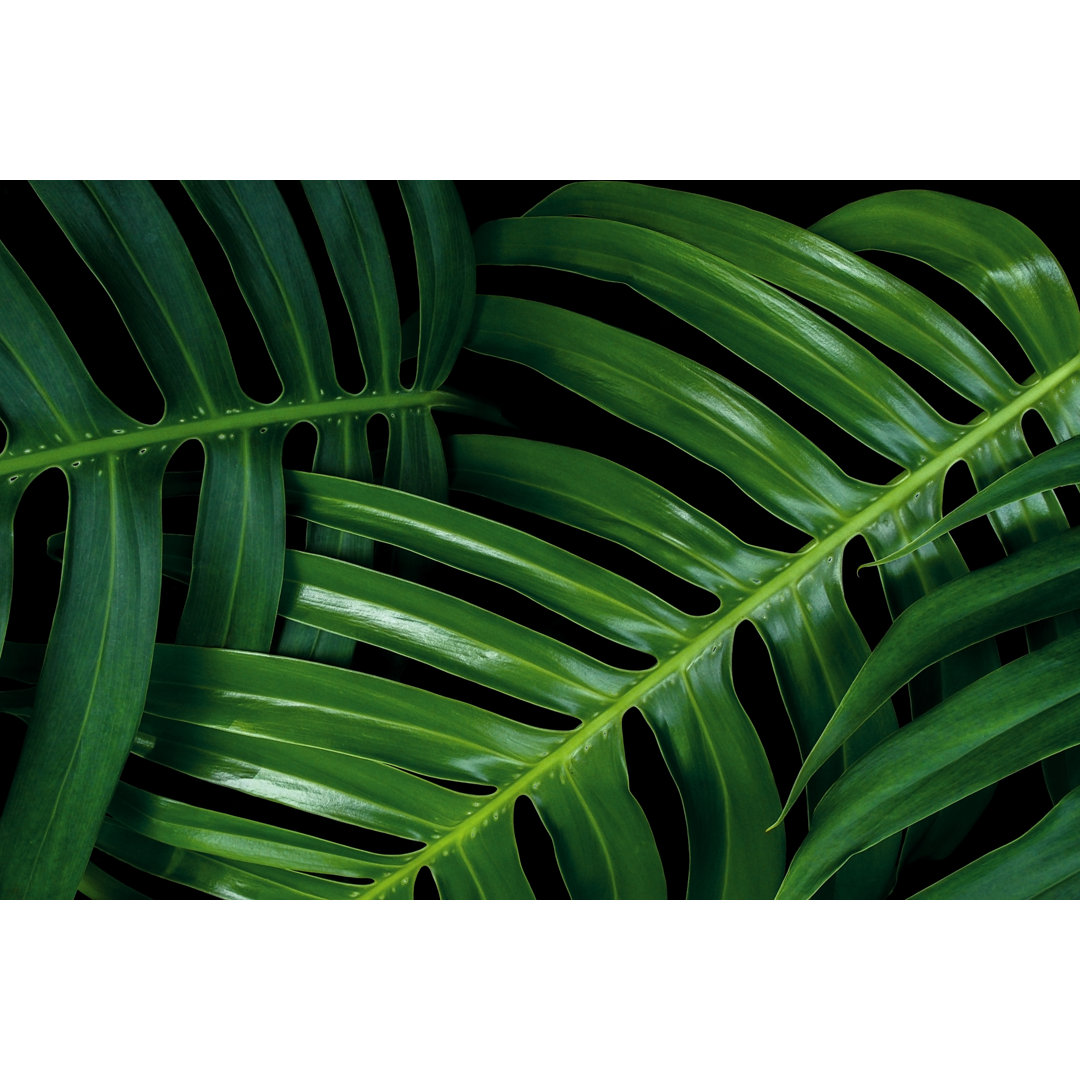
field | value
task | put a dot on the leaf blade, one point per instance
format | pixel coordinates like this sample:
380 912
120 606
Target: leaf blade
1009 719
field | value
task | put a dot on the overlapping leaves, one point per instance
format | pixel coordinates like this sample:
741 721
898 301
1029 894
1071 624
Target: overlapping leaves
437 777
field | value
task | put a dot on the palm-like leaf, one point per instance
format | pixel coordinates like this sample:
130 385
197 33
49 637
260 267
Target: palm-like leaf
375 752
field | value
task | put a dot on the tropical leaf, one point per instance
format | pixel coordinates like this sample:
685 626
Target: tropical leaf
500 656
1041 865
646 239
90 695
1011 718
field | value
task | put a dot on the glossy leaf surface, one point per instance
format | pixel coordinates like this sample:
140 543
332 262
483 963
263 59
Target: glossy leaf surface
379 660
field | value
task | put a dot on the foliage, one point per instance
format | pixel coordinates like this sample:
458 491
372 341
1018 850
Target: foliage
505 642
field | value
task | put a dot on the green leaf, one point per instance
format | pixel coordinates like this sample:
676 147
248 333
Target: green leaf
488 868
1043 864
46 395
816 649
725 780
1007 720
683 402
575 588
221 877
342 450
447 633
195 829
602 839
252 224
608 500
1056 467
310 749
97 885
446 270
414 456
990 253
879 304
349 712
93 681
239 546
125 235
799 349
1040 581
357 248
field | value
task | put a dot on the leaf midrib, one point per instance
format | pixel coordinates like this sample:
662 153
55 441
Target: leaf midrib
257 415
892 496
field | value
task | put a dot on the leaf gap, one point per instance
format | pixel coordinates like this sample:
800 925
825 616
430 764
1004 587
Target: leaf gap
653 787
35 586
170 783
977 541
463 787
1036 434
864 592
341 879
255 371
378 438
1012 644
759 694
486 200
298 450
80 303
407 371
424 887
1040 439
537 852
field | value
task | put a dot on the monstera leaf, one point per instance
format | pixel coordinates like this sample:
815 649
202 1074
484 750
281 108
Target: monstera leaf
536 641
92 686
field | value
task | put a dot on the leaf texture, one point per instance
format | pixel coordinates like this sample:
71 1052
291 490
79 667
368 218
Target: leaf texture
260 689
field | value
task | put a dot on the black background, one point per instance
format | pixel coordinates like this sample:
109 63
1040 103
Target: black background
537 409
